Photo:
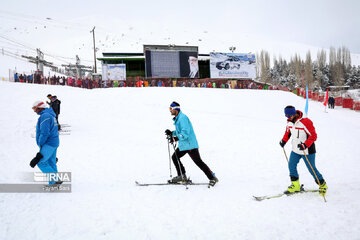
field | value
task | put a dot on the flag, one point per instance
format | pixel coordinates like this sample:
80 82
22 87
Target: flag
307 101
326 97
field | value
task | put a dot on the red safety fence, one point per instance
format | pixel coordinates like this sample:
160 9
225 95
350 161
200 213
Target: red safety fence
315 96
356 105
338 101
310 94
283 88
301 91
348 103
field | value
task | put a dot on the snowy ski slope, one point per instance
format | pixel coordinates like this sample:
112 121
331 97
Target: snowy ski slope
118 137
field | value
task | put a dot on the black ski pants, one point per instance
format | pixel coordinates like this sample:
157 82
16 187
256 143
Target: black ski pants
195 156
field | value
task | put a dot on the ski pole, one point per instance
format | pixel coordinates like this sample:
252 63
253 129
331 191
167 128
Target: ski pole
285 155
317 179
169 158
179 164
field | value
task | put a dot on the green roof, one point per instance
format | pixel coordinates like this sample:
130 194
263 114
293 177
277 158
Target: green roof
120 59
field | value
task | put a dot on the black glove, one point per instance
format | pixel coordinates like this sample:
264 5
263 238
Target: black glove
173 139
302 146
168 132
57 160
282 143
36 160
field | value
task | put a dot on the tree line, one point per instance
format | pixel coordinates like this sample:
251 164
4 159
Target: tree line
336 70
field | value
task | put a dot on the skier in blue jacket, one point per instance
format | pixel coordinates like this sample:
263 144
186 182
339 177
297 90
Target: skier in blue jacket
47 138
184 133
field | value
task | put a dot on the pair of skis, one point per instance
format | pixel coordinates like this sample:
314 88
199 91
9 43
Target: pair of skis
65 129
186 184
259 198
302 190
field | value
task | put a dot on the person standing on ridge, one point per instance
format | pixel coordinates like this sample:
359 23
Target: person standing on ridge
331 102
303 134
49 97
55 105
184 133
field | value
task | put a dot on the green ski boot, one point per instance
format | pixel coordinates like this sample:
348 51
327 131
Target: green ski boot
294 187
322 189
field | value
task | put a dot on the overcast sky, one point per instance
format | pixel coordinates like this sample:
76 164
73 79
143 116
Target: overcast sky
284 27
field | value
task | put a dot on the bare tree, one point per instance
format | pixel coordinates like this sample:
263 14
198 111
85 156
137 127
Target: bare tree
332 64
321 59
298 69
346 63
275 78
320 63
264 66
346 58
267 67
258 66
309 77
339 76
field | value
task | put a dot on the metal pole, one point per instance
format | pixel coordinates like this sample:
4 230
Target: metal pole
93 32
186 183
317 179
285 155
169 158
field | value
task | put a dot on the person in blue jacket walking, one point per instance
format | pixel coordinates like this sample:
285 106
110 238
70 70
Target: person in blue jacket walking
47 138
184 133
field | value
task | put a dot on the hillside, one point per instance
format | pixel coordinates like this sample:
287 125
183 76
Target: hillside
117 137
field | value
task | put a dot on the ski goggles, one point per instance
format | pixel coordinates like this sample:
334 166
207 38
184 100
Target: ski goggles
174 108
288 115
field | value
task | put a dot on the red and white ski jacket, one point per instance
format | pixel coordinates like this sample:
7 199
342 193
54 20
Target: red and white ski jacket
302 131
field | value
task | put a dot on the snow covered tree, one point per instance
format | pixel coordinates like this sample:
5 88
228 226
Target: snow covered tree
319 69
325 78
291 81
317 74
279 72
353 79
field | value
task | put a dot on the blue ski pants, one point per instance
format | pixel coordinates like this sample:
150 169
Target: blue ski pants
48 163
294 160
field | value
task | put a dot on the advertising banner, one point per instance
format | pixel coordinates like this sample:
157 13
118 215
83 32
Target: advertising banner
232 65
189 65
171 64
114 72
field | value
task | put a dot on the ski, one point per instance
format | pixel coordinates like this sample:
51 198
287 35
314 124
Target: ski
64 133
64 130
165 184
282 194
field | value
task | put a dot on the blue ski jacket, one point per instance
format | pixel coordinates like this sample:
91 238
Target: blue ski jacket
185 132
47 132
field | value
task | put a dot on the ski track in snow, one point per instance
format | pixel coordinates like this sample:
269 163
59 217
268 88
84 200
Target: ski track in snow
117 137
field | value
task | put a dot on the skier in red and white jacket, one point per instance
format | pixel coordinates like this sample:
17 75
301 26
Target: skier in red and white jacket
303 134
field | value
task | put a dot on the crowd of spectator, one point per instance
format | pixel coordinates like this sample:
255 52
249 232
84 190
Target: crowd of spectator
89 83
58 80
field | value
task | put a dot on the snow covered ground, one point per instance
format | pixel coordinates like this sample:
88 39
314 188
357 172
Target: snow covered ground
118 137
